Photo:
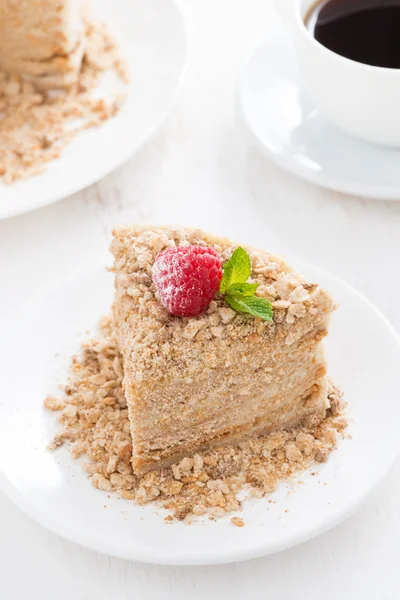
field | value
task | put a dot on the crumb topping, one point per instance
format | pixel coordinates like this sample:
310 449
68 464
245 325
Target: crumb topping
162 340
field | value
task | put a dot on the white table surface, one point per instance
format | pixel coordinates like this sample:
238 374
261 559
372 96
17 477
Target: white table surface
202 169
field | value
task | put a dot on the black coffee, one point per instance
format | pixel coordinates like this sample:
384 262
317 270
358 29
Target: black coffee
367 31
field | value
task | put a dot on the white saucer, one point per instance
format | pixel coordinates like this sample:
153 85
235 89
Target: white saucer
38 341
153 38
291 131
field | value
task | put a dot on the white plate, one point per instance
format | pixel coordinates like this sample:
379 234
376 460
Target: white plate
290 130
153 38
364 356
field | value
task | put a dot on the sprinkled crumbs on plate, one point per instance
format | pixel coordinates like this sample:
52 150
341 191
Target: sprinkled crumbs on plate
95 425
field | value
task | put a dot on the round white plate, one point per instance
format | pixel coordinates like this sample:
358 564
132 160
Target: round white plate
40 338
152 37
290 130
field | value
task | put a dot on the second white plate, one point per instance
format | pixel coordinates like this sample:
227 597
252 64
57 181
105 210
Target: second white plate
153 38
40 338
291 131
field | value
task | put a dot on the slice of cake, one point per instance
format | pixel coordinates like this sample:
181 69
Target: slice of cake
192 382
42 40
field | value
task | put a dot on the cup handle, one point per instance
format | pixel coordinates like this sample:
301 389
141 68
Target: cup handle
285 9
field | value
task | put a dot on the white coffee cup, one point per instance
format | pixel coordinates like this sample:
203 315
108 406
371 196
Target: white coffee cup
362 100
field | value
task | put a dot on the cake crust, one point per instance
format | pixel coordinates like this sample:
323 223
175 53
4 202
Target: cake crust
195 382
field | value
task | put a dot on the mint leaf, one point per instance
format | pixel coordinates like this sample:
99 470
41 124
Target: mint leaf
236 270
242 289
253 305
238 293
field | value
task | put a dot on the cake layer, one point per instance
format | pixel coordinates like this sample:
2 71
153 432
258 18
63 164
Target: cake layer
42 40
190 382
216 407
242 415
308 410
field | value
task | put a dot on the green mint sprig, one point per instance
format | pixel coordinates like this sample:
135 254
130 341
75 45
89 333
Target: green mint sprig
239 294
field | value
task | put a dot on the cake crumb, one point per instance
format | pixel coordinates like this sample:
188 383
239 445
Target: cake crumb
237 521
95 424
54 404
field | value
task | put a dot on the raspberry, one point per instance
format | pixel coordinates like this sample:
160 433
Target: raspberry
187 279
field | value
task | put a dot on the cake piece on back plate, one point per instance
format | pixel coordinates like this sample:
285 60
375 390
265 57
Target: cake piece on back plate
42 40
241 354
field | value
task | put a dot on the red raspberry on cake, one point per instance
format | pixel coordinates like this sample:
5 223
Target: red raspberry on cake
187 279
